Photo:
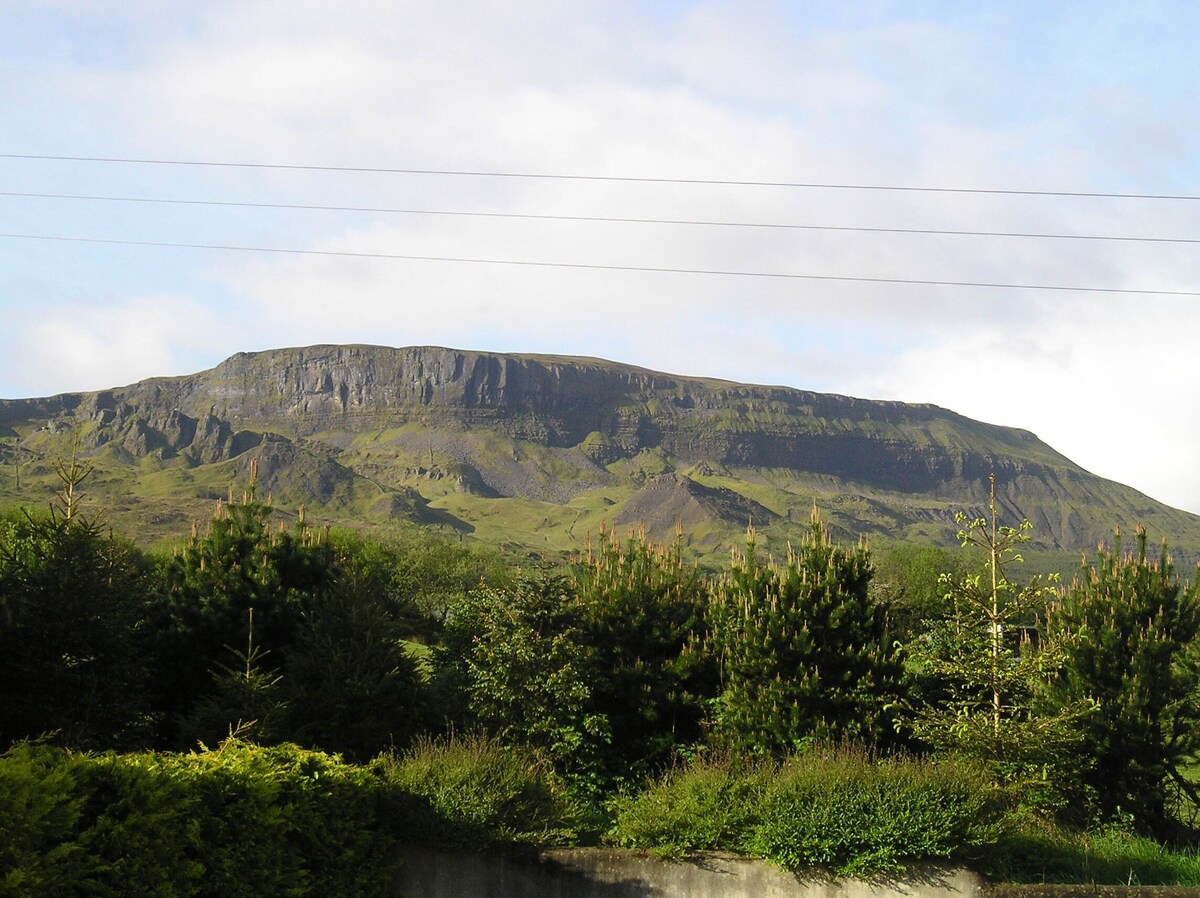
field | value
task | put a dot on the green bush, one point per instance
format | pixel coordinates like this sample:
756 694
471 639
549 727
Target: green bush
709 805
846 811
838 809
283 821
39 813
472 793
136 827
239 821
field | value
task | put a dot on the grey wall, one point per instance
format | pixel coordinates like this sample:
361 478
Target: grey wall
603 873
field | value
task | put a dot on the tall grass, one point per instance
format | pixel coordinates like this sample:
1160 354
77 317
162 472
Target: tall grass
471 792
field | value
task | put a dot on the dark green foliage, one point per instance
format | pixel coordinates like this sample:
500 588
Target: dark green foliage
350 686
837 809
1135 625
72 633
239 565
803 650
520 658
643 615
325 664
474 793
245 698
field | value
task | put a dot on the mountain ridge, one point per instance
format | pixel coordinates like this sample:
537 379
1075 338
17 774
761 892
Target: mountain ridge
465 438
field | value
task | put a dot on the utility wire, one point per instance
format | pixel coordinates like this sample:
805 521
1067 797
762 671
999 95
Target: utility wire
596 267
598 218
573 177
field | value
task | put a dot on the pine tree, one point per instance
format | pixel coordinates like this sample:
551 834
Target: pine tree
803 649
1135 655
240 564
643 614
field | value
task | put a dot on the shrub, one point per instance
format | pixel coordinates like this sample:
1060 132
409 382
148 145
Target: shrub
844 810
840 809
39 813
471 792
709 805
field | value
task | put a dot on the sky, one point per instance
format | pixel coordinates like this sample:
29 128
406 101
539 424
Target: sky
1089 97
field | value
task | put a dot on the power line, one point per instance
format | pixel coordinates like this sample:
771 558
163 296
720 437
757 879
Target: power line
599 218
619 178
597 267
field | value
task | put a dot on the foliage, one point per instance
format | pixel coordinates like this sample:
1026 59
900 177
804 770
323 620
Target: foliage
984 674
520 658
240 821
834 808
1135 625
39 813
803 649
474 793
908 581
642 613
244 698
239 565
349 685
72 652
1033 850
711 804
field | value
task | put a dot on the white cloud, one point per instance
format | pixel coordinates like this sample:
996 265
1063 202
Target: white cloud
87 347
763 91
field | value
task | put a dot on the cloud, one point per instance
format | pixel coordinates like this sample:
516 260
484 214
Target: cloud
1105 383
76 347
816 93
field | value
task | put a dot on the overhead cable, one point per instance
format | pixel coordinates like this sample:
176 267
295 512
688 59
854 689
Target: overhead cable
582 177
598 267
598 218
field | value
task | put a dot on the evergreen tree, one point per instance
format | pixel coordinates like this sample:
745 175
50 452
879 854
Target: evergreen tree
983 672
239 565
803 649
643 616
1135 655
73 607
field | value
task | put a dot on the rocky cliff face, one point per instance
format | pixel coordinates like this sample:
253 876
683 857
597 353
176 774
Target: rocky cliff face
592 419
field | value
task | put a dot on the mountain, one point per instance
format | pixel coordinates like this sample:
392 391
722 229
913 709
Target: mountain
535 452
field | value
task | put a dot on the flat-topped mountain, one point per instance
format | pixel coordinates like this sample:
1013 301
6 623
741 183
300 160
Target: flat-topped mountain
536 451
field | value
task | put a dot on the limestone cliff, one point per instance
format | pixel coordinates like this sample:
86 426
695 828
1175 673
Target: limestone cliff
349 420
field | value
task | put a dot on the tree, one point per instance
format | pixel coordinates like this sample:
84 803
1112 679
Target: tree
239 565
984 673
803 649
642 613
350 684
520 659
1135 656
73 606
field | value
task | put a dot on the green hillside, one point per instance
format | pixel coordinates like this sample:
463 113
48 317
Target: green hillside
536 452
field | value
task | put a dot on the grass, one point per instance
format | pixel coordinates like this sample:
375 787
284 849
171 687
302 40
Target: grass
1033 851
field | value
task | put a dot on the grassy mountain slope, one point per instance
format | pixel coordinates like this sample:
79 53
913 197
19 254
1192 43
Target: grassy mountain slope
535 452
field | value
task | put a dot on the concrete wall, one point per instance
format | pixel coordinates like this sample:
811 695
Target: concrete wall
603 873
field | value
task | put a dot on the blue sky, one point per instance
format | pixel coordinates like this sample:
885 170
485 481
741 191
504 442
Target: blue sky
1092 97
